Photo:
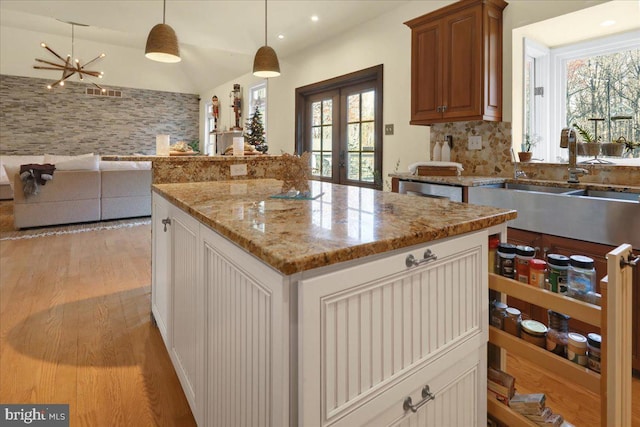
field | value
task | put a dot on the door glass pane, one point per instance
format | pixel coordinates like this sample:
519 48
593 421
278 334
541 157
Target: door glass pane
326 138
315 114
368 105
368 166
353 137
327 111
316 163
353 108
326 165
353 166
316 138
368 140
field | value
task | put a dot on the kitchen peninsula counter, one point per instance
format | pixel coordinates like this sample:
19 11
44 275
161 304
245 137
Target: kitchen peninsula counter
330 311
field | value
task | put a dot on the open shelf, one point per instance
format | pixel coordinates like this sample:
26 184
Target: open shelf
507 415
545 359
588 313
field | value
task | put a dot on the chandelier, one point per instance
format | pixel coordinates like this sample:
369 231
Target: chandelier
69 66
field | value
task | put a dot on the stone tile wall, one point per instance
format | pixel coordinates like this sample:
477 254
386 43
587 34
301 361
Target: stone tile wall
35 120
495 158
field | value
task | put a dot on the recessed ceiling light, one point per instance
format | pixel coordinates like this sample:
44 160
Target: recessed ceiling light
607 23
280 36
314 18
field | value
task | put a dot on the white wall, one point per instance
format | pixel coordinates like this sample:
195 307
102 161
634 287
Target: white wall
384 40
387 41
123 66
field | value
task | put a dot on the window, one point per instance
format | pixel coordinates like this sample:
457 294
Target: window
577 84
340 122
258 98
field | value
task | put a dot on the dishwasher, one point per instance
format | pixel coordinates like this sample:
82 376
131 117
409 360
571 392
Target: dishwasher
425 189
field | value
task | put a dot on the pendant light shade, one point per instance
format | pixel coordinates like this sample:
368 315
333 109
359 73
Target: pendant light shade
265 63
162 42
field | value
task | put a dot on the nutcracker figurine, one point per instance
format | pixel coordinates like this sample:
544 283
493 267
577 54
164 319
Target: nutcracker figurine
236 104
215 112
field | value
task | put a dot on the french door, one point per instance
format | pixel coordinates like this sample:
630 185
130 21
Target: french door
341 126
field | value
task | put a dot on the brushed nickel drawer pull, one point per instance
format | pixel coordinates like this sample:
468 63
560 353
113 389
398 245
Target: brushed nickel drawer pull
426 396
411 261
166 221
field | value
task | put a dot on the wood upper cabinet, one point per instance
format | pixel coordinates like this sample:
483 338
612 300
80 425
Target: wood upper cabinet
456 63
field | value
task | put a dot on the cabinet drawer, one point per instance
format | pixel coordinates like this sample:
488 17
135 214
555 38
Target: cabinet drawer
458 388
380 322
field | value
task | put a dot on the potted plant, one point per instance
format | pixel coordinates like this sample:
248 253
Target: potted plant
526 146
590 146
614 148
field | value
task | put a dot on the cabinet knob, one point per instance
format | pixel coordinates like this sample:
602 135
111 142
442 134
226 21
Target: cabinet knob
426 396
412 261
439 109
166 221
444 108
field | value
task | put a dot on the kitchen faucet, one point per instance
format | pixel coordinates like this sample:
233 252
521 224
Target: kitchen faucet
568 140
517 173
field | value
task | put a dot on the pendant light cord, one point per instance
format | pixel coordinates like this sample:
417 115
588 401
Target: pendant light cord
265 22
73 27
164 9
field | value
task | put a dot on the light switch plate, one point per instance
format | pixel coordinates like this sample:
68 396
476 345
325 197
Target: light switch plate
238 170
388 129
475 142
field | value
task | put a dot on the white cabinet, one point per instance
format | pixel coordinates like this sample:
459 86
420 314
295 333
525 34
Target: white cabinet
342 345
178 297
247 337
376 332
160 264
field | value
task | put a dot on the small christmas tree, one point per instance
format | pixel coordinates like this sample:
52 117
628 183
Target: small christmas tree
255 134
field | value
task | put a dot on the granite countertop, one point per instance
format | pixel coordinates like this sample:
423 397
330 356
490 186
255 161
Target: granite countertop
457 181
194 158
475 181
343 224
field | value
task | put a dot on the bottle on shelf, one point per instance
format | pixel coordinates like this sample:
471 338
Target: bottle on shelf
581 277
506 260
557 334
558 266
524 254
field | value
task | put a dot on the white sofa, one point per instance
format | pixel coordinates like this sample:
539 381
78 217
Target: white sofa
83 189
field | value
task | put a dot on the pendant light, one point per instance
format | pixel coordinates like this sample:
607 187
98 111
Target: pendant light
69 65
265 63
162 42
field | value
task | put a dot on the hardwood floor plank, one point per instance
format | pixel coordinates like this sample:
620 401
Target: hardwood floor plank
75 328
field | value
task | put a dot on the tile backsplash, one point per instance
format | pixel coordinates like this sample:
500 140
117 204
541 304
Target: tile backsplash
495 158
35 120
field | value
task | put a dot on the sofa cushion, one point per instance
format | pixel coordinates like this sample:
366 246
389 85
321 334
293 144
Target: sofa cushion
83 162
13 163
65 186
115 165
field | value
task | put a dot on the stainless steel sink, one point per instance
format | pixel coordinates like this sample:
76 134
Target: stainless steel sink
613 195
536 188
606 217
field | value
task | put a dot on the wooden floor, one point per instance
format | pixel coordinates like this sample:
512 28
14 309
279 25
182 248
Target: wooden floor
75 328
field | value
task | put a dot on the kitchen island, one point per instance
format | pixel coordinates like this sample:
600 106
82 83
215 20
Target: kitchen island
330 311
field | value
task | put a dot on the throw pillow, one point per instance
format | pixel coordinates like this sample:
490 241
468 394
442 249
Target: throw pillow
68 163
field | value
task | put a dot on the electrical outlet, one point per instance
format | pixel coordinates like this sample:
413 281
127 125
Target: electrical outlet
388 129
238 170
475 142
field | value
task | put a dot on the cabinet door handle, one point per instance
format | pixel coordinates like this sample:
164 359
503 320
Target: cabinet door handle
411 261
439 109
166 221
426 396
444 108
